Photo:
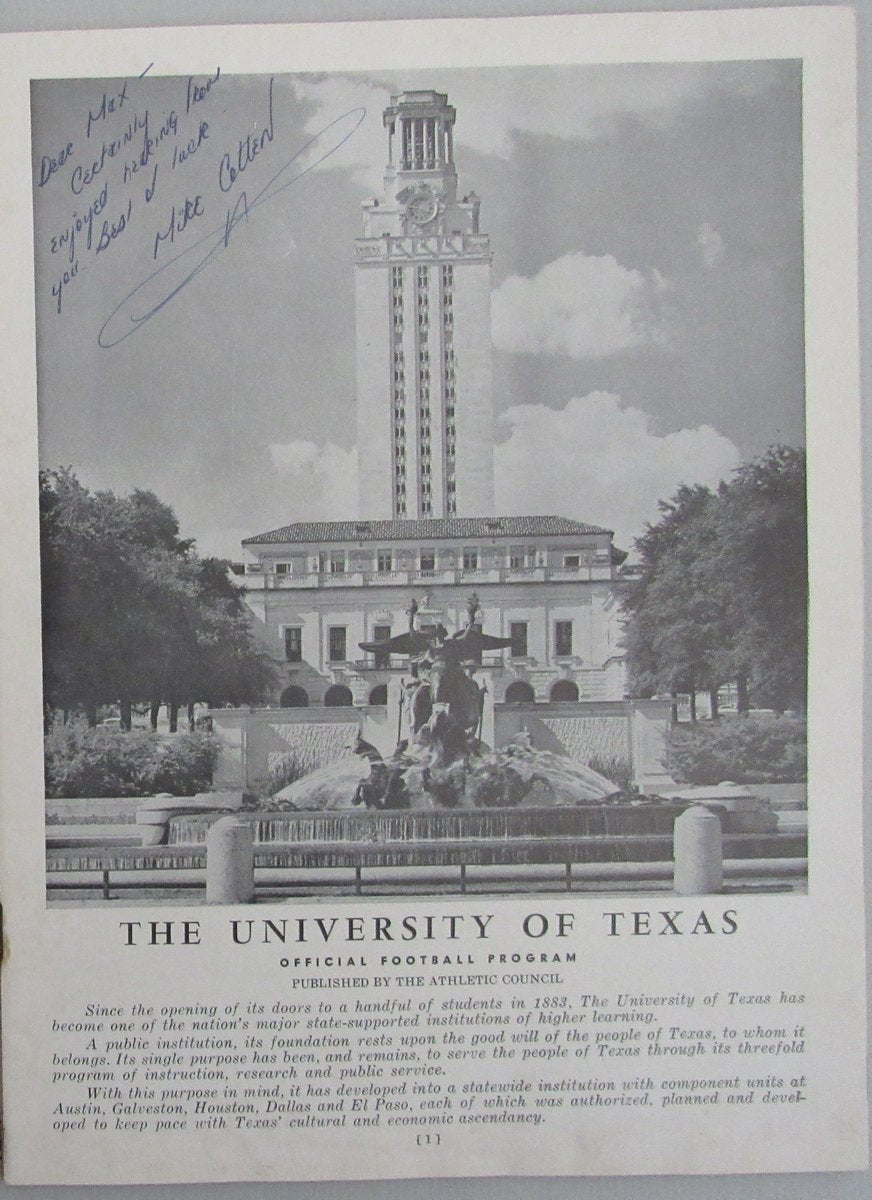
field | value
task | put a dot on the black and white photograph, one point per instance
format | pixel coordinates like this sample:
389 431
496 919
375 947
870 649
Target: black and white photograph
422 494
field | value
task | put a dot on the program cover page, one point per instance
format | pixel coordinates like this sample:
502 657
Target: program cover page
431 700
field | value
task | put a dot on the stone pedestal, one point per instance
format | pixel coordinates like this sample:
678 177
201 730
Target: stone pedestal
153 815
649 722
698 852
230 862
485 679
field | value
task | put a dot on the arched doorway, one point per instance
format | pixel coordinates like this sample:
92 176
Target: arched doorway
520 692
338 696
294 697
379 694
564 689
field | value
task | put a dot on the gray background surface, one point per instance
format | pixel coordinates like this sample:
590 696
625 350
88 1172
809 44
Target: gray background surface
74 14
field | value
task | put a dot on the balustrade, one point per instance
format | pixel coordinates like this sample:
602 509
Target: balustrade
258 576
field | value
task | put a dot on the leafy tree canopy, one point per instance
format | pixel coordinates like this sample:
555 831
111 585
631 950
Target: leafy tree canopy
723 590
130 612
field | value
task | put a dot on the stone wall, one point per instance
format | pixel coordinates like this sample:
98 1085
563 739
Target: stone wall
253 741
626 733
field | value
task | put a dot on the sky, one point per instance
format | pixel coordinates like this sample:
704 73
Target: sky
646 230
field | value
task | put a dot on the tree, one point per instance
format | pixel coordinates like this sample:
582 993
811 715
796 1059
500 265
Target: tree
763 552
675 620
131 613
722 591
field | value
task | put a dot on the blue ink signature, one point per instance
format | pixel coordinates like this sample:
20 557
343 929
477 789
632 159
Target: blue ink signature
158 289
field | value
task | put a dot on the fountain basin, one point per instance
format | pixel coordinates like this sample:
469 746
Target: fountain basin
414 826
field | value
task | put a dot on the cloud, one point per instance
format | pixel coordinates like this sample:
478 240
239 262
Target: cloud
577 103
318 483
712 246
365 152
598 461
579 305
595 460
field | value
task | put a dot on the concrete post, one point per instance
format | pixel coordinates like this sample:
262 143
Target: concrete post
230 862
648 725
697 852
228 726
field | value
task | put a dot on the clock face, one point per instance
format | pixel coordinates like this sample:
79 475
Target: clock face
422 208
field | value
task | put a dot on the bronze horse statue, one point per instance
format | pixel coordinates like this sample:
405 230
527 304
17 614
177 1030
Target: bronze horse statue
440 659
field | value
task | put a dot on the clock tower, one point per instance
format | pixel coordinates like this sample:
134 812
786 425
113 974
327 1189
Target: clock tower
422 297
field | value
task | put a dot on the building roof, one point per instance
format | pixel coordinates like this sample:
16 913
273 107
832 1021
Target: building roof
428 529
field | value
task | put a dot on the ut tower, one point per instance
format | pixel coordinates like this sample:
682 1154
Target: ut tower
422 300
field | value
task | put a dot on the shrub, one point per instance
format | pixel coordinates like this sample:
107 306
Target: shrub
80 761
283 771
182 765
739 749
618 770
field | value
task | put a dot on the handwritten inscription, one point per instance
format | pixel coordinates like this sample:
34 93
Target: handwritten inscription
113 170
199 91
249 147
182 153
111 102
150 296
114 228
51 163
166 171
85 173
180 218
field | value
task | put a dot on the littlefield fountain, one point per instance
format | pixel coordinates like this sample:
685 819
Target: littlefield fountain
442 763
439 801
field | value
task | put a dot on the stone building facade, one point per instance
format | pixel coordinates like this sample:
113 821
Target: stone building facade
318 589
